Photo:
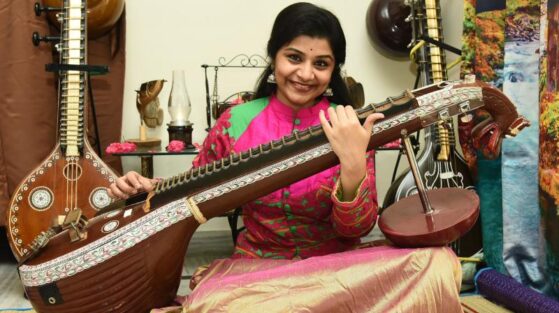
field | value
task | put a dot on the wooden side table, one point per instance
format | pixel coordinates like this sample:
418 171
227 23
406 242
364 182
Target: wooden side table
146 156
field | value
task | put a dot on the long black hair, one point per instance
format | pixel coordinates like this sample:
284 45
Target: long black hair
307 19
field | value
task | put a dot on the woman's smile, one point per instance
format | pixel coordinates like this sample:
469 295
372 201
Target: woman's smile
302 86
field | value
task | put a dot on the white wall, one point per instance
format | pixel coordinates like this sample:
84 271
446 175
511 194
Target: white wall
184 34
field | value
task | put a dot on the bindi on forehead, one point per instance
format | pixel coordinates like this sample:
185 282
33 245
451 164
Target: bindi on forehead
311 51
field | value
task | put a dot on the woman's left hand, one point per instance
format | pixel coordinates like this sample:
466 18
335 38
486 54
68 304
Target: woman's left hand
349 140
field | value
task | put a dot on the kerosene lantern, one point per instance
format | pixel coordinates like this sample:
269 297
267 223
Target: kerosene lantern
180 128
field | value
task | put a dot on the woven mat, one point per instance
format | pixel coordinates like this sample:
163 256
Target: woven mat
478 304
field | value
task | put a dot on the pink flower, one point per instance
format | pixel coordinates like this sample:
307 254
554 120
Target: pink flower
120 147
175 146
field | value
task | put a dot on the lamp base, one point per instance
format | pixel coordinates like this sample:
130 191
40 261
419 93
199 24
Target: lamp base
182 133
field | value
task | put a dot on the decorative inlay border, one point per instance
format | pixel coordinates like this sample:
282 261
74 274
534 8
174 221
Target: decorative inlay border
108 246
262 173
429 103
448 96
290 162
18 197
97 163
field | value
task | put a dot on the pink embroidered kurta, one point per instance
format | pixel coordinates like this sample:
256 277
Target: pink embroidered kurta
301 220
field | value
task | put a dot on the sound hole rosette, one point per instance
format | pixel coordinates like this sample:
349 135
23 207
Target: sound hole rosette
41 198
99 198
455 211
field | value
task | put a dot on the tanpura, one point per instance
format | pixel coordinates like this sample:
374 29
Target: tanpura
72 177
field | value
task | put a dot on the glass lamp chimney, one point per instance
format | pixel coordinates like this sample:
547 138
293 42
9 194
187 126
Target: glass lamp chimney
179 102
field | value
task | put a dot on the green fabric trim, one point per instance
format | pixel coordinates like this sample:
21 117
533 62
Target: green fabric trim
243 114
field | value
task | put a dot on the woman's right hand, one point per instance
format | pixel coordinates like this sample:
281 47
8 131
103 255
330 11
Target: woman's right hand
129 184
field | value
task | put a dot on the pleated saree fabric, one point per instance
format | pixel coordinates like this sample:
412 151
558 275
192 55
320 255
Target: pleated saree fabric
372 279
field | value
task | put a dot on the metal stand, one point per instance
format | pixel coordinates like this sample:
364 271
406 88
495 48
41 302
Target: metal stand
415 171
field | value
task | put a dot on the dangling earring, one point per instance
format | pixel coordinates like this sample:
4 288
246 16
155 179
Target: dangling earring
328 92
271 78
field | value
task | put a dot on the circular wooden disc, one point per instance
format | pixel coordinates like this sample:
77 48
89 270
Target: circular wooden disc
455 212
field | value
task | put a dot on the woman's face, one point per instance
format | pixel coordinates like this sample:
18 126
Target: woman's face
303 70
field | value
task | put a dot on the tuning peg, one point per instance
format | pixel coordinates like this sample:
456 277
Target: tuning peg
40 9
36 38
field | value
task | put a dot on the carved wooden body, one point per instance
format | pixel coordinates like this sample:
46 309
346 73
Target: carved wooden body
72 177
131 257
55 187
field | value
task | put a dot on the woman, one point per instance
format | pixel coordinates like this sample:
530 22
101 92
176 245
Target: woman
314 216
288 259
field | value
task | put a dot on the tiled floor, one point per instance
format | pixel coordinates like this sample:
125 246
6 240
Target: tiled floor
11 292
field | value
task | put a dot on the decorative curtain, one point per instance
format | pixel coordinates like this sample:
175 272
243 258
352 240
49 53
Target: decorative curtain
28 94
549 138
507 44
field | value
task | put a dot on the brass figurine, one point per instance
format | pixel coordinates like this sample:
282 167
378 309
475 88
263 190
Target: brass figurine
147 103
151 115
